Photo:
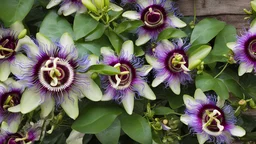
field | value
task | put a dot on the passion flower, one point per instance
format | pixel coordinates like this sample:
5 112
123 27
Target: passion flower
156 16
67 7
56 75
123 87
245 51
210 119
170 63
10 95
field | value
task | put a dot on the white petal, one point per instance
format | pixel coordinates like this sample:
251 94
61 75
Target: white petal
5 70
93 59
128 102
142 39
66 41
107 51
153 61
220 103
75 137
14 109
244 68
237 131
44 41
144 3
53 3
115 7
144 70
199 95
231 45
175 86
185 119
177 22
68 11
92 90
201 138
12 127
70 105
189 101
17 26
16 67
47 106
108 96
145 91
167 44
133 15
127 50
32 47
159 79
30 100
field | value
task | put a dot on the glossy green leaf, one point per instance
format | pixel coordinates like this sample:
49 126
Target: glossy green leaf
83 25
128 26
53 26
206 82
14 10
234 87
96 118
136 127
228 34
206 30
114 15
104 69
92 46
171 33
96 33
163 111
111 134
114 39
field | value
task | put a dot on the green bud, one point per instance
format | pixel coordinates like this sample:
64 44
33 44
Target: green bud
99 4
94 75
22 34
89 5
170 139
106 2
252 104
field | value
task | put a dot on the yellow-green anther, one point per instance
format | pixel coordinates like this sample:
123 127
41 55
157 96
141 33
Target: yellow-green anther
212 117
6 49
21 139
8 102
88 4
22 34
99 4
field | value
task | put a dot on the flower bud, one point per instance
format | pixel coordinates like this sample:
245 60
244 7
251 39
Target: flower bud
88 4
99 4
22 34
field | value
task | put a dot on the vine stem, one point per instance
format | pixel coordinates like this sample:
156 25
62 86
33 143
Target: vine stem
221 70
194 12
42 132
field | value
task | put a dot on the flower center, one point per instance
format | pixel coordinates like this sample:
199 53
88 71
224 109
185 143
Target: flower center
213 122
9 100
153 16
122 80
177 63
7 47
252 49
15 139
56 74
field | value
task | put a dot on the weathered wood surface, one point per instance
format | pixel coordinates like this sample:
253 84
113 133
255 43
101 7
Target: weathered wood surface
230 11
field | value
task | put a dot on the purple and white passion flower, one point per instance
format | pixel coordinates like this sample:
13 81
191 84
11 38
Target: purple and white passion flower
170 63
124 86
245 51
56 75
29 134
10 41
210 118
10 95
67 7
156 16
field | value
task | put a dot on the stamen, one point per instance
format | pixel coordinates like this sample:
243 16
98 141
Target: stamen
5 42
54 72
6 49
212 116
119 79
9 102
21 139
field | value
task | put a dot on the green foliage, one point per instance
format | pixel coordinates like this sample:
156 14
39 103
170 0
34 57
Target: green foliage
14 10
114 39
53 26
136 127
128 26
171 33
103 69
